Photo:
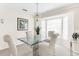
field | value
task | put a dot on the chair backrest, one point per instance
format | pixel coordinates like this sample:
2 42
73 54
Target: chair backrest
11 44
53 37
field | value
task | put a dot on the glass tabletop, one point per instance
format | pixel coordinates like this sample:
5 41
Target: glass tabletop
32 42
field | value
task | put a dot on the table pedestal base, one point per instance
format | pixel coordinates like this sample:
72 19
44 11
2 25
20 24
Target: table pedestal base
35 50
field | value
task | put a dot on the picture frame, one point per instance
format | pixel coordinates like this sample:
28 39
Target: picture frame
22 24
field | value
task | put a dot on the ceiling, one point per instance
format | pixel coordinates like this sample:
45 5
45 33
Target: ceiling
31 7
43 7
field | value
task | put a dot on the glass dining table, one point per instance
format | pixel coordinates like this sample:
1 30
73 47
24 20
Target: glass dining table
34 44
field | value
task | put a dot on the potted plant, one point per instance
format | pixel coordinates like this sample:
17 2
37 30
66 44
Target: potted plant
75 35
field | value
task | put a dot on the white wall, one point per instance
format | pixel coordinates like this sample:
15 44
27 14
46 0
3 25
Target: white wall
76 20
10 24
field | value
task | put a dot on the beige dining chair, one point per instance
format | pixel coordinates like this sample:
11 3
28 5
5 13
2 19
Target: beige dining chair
49 49
53 38
17 51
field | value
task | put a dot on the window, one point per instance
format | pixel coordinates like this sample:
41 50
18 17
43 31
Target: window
43 30
65 28
55 25
58 25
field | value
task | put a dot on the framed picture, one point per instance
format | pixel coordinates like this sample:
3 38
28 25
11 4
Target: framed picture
22 24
